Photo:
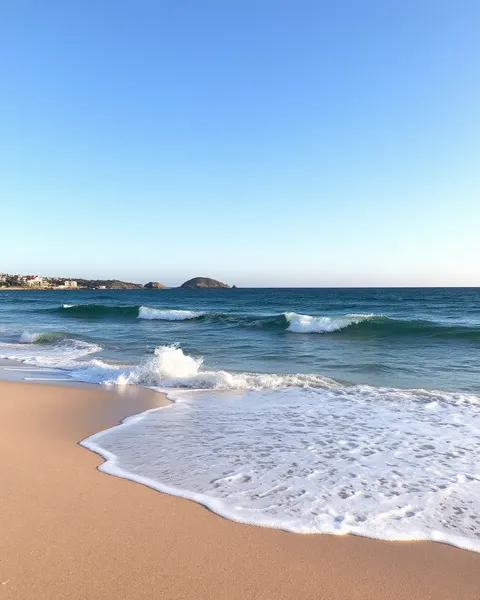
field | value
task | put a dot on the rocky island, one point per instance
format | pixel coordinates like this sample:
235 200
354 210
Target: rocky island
155 285
201 283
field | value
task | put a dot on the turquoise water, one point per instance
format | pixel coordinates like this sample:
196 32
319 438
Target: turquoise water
339 411
420 338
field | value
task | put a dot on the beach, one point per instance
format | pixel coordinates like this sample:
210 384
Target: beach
240 301
72 532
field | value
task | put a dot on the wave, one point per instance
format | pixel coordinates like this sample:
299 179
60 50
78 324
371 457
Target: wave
49 337
366 325
95 311
48 349
170 367
308 324
100 311
144 312
353 325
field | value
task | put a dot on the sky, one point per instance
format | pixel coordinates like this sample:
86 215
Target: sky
259 142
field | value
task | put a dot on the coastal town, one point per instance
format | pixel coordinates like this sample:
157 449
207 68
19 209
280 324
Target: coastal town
37 282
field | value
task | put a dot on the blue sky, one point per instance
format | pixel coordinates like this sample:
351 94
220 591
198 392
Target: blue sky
258 142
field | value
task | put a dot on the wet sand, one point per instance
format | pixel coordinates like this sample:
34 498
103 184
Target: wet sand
68 531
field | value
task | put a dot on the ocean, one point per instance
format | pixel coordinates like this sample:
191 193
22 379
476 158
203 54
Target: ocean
311 410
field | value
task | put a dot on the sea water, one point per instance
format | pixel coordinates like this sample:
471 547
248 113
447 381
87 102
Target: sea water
340 411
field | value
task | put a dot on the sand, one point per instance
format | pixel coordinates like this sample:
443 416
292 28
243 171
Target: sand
68 531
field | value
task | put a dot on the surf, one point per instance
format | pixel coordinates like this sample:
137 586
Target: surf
144 312
48 349
349 324
384 463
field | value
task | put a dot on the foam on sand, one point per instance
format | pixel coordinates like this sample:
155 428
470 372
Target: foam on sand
383 463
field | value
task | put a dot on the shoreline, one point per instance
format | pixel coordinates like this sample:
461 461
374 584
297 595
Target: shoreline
72 532
59 289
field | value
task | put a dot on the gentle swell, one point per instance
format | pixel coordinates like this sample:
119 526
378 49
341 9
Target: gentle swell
95 311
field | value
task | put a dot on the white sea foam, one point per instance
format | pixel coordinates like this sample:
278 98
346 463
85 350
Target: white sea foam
69 305
383 463
144 312
170 367
298 452
29 338
65 353
310 324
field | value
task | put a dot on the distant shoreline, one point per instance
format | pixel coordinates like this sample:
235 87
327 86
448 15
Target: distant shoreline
70 289
26 282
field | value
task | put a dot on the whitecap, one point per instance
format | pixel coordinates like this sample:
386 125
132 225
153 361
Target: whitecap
65 353
145 312
170 367
29 338
322 324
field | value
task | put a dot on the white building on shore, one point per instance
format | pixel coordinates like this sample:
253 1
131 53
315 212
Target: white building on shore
33 281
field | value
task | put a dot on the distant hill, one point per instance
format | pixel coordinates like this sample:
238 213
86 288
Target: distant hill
110 284
155 285
199 283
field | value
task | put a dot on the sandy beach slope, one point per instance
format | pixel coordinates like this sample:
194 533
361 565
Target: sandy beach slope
69 532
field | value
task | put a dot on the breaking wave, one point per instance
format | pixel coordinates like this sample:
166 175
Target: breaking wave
167 367
308 324
49 337
353 325
101 311
170 367
144 312
48 349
